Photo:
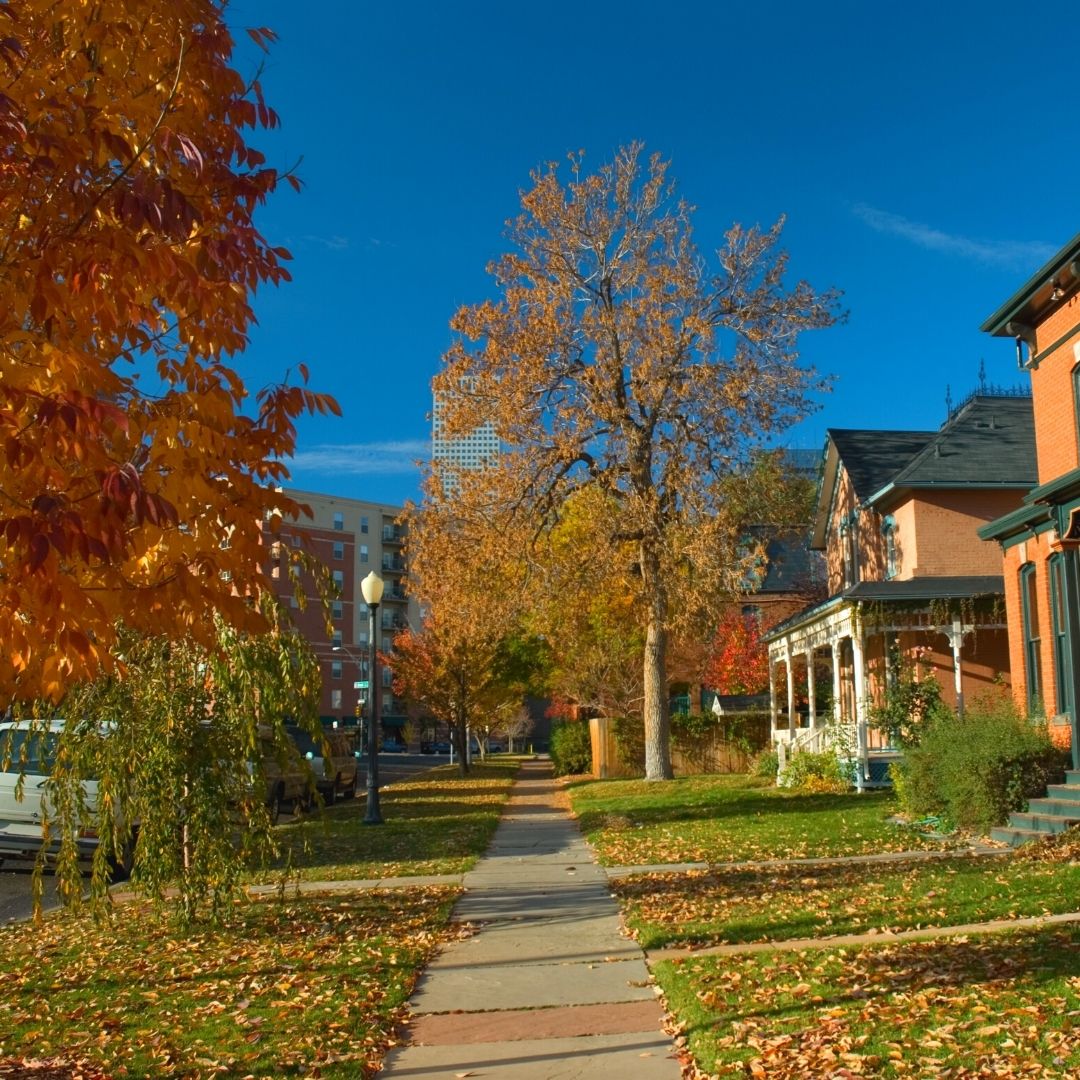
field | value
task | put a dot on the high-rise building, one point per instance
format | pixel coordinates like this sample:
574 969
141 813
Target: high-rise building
351 538
477 449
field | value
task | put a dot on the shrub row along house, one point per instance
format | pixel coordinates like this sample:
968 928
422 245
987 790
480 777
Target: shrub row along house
909 579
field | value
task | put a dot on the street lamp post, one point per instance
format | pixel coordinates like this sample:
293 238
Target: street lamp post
372 588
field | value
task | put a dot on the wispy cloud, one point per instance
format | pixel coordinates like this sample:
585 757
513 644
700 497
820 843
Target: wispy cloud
362 458
332 243
1012 254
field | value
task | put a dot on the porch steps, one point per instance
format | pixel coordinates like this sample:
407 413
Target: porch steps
1057 811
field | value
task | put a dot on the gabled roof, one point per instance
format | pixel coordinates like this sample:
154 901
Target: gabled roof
873 458
989 442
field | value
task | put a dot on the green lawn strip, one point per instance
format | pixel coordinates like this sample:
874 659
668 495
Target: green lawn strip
436 823
724 907
288 986
1002 1005
738 818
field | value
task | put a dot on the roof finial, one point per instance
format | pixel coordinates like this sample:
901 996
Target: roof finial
982 375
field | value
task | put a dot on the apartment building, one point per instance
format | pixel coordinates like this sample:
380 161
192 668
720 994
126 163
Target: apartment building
351 538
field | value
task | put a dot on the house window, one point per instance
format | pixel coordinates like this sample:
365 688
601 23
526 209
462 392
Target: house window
363 553
1029 596
1063 683
338 609
339 520
363 524
335 699
847 547
339 579
339 549
888 530
296 541
335 669
335 641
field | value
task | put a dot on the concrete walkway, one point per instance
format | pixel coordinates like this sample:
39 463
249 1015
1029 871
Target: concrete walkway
547 988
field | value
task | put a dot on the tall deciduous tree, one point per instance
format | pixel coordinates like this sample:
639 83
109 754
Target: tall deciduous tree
616 358
134 475
462 666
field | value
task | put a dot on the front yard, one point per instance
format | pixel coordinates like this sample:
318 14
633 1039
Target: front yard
1001 1005
718 819
1004 1004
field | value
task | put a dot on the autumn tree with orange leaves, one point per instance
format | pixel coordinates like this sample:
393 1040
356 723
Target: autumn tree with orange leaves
135 468
616 356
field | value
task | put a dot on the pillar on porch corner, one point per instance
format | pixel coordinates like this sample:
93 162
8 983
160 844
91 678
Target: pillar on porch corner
810 692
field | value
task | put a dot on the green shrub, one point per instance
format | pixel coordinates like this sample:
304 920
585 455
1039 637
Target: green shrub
815 773
972 771
767 764
571 748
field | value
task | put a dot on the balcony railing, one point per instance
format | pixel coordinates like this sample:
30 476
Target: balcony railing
394 564
392 535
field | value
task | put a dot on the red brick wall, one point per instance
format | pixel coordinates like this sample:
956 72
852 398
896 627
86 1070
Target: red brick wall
1052 394
946 523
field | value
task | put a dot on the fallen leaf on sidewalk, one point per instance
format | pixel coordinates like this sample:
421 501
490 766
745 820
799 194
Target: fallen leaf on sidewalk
461 1075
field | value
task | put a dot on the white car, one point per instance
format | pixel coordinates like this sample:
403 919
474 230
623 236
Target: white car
27 751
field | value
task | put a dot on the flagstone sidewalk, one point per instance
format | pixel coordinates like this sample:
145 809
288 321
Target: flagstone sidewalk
547 988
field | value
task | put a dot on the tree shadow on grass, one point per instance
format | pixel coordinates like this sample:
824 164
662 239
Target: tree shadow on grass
747 804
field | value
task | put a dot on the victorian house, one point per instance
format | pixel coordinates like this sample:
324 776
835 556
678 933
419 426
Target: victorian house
909 579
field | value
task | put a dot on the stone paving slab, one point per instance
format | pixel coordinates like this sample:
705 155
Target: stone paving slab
534 941
636 1056
478 987
515 1025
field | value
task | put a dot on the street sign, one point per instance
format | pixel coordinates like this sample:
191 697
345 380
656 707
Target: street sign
363 684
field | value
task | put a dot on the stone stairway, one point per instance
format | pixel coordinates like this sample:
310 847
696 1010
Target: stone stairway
1058 811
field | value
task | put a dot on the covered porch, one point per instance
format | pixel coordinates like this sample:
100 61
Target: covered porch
829 664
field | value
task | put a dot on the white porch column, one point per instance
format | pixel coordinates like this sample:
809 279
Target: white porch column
955 634
773 712
810 687
790 690
834 645
858 648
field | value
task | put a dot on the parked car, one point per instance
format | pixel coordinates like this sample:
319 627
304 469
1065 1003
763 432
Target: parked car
332 759
27 753
440 747
289 778
393 746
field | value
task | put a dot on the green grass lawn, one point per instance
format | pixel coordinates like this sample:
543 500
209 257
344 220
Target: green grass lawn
720 907
436 823
718 819
291 986
1003 1005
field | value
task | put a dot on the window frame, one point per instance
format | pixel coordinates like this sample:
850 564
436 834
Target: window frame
1032 641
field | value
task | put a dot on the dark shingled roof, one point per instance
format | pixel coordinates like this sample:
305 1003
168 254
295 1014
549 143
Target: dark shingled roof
989 442
927 588
873 458
791 565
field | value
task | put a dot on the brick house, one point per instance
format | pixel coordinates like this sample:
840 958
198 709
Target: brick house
1039 540
908 576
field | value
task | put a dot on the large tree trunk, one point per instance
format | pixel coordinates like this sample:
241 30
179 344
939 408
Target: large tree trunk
657 727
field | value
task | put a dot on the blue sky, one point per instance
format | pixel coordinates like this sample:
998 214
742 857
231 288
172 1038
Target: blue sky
922 154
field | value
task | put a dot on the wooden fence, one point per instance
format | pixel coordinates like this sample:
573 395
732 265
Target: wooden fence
717 753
